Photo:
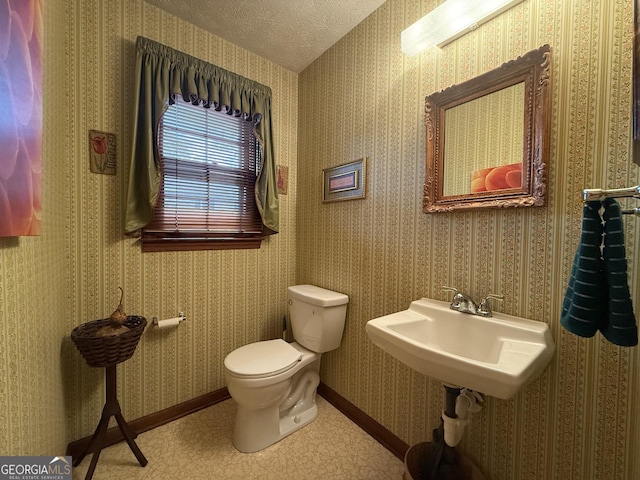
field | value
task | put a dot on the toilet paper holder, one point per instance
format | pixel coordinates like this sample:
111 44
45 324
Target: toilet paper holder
169 321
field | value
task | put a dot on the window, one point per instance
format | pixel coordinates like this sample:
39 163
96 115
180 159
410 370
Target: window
196 79
209 162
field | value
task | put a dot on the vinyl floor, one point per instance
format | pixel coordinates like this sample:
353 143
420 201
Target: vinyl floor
199 447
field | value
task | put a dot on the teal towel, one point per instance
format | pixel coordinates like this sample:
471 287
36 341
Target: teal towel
597 297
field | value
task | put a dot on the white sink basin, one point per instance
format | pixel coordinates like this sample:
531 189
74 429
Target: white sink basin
493 355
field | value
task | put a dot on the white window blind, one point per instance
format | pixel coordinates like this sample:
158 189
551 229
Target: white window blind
209 164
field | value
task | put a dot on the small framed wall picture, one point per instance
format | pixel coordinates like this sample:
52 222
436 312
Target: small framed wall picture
282 179
345 182
102 152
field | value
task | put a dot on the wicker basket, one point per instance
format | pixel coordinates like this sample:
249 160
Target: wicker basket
109 350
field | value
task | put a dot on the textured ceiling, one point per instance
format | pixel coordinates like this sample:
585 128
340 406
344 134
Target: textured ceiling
291 33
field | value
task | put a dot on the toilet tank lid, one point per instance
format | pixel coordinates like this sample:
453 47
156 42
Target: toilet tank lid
317 295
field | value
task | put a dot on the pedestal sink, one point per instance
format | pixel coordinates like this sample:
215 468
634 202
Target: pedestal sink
495 355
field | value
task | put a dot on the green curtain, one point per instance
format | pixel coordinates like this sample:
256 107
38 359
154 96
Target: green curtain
162 72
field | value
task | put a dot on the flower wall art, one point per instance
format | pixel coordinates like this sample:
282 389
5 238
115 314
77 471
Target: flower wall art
102 152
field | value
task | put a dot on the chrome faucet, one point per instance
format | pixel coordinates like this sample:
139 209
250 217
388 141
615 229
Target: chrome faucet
465 304
461 302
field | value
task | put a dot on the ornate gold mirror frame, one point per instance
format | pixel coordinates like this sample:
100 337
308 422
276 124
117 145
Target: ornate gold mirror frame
488 138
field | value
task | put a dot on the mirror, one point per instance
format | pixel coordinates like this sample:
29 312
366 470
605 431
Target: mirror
488 138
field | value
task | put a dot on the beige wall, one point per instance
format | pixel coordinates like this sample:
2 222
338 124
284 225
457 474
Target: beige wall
229 297
34 301
364 98
71 273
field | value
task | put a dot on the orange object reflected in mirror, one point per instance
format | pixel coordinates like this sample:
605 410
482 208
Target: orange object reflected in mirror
497 178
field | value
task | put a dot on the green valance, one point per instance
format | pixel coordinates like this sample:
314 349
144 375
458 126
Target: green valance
161 73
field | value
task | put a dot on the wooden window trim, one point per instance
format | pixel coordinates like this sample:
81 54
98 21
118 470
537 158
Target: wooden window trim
166 244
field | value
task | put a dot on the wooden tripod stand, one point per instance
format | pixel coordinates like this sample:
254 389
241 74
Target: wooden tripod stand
111 408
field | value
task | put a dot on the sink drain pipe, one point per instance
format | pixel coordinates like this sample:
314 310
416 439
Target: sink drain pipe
453 426
459 402
452 393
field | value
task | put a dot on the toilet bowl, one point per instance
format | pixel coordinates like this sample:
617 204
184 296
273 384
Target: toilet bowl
272 405
274 382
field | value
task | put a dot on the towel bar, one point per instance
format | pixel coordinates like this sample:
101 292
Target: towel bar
594 194
632 211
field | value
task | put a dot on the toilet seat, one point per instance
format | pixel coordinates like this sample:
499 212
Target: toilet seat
262 359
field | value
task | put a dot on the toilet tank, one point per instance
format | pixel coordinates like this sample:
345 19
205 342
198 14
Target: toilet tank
317 317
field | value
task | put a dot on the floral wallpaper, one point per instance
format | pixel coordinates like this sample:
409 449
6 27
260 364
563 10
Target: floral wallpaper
363 97
70 274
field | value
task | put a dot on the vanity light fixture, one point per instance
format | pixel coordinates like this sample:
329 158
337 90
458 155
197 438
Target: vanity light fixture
450 20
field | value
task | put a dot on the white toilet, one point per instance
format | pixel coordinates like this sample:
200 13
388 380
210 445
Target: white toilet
274 382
